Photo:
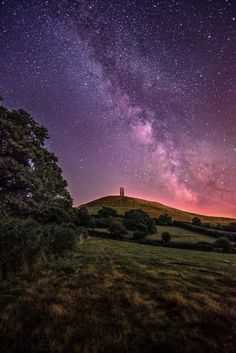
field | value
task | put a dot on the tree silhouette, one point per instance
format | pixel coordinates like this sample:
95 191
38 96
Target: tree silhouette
166 237
31 182
196 221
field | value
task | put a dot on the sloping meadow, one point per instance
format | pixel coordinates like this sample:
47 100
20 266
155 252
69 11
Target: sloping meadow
112 296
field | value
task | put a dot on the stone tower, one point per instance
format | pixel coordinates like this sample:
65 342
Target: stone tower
122 191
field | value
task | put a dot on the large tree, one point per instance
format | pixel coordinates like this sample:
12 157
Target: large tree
31 182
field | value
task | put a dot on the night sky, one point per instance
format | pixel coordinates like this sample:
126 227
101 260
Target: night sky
133 93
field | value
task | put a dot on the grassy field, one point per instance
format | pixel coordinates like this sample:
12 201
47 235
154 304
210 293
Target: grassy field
154 209
112 296
181 235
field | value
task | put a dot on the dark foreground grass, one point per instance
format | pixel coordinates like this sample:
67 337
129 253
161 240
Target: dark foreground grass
113 297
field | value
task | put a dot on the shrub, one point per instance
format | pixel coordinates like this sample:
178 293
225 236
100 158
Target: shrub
117 229
82 231
139 234
143 228
223 243
59 238
231 227
196 221
92 222
54 214
214 233
133 219
20 245
107 212
164 220
81 217
24 242
166 237
104 233
104 222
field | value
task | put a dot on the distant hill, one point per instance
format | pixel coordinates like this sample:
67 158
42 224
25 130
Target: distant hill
154 209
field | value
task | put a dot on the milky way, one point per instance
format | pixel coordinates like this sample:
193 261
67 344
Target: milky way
133 93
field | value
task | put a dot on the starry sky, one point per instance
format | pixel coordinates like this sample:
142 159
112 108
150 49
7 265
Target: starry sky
134 93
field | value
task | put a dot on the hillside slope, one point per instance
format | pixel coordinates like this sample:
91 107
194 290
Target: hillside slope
154 209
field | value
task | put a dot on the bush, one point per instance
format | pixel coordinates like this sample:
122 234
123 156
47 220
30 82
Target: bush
24 242
166 237
92 222
133 219
139 234
214 233
20 245
104 222
54 214
104 233
107 212
117 229
82 231
196 221
81 217
231 227
223 243
58 239
164 220
142 228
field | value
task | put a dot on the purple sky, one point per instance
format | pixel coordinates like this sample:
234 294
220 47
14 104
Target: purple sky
133 93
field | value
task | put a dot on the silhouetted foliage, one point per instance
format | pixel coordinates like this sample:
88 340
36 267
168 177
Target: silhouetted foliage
107 212
31 183
103 222
117 229
223 243
92 221
143 228
165 237
58 239
164 220
196 221
133 219
215 233
231 227
24 242
55 214
139 234
179 245
81 217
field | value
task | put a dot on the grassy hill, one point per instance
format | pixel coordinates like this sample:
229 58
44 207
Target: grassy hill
179 234
112 296
154 209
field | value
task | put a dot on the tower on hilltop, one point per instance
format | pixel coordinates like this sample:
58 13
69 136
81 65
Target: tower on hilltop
122 191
